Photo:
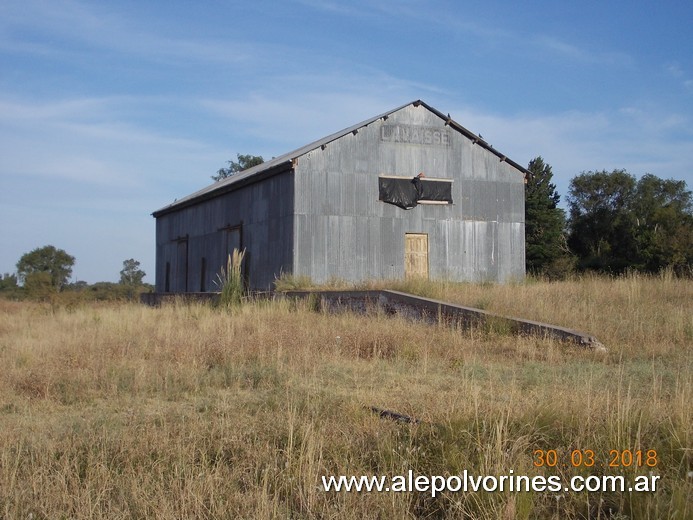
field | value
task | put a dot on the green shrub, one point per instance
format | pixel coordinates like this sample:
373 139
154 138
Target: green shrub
290 282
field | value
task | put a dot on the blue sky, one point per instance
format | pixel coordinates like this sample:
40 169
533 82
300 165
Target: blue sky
111 110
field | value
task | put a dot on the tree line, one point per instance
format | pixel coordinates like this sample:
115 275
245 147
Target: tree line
615 223
44 272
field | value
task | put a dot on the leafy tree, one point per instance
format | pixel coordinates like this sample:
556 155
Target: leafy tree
618 223
131 277
544 220
244 162
9 288
78 286
663 212
108 291
48 259
131 274
8 282
39 285
601 223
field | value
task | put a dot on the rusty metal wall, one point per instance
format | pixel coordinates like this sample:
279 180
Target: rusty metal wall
342 230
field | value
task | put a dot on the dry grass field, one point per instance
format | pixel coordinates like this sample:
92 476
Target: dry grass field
188 411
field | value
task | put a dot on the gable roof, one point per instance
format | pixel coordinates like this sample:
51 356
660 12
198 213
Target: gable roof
285 162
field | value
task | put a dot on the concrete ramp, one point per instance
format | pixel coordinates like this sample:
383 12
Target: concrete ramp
436 311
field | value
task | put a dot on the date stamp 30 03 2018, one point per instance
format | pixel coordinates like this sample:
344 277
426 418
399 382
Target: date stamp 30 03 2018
586 458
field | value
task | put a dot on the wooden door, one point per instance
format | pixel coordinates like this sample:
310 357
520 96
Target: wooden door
415 255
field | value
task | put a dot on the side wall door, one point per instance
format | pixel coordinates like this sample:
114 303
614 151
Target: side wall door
180 278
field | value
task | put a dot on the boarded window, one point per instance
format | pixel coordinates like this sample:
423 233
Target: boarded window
408 192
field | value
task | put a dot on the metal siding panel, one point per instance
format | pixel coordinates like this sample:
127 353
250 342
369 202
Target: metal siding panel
310 253
504 252
485 251
348 265
517 202
467 262
518 250
503 208
391 240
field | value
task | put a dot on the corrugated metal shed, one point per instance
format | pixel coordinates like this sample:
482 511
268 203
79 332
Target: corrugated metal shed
315 211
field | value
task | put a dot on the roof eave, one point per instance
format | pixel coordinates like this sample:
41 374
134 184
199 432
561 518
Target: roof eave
277 169
473 137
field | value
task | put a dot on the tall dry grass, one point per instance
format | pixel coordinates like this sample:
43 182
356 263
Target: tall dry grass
230 280
122 411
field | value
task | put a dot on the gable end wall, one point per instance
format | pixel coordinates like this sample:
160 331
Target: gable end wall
342 230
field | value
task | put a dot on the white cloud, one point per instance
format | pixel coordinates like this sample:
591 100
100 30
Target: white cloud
342 8
42 111
678 73
391 8
674 69
99 27
581 53
299 118
639 140
82 140
295 110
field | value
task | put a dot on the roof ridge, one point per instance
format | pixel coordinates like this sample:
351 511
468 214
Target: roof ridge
289 157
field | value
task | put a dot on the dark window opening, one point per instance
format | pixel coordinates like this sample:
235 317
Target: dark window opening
408 192
203 272
167 283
